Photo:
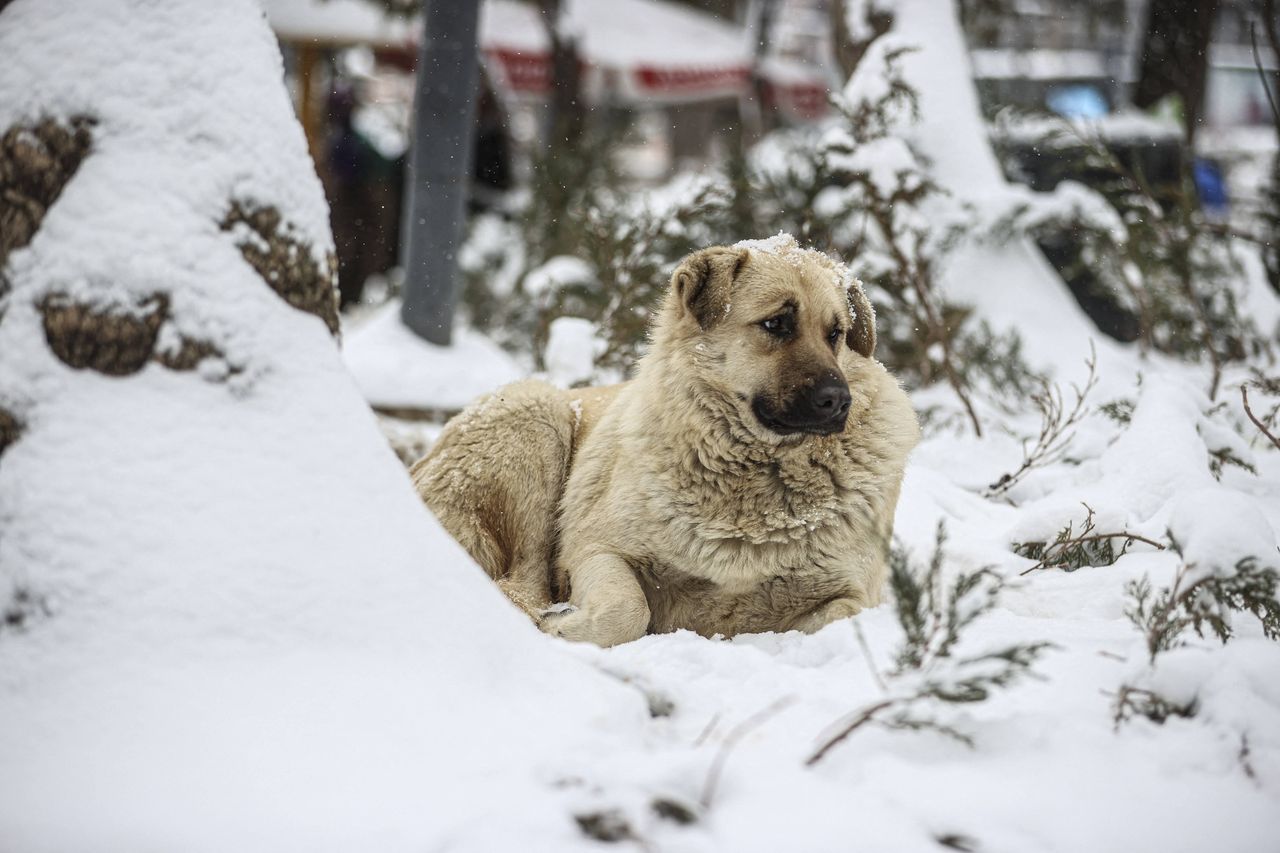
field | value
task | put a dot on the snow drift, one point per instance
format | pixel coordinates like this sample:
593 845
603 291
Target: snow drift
230 622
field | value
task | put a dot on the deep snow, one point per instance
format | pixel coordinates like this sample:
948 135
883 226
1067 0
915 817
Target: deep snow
258 639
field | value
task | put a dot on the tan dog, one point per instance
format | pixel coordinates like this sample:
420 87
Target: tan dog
745 480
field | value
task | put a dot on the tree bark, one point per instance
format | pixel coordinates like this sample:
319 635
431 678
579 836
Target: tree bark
1175 57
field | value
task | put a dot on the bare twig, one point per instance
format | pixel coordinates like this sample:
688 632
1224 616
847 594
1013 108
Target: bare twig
862 718
1132 700
741 730
927 313
706 732
1068 551
932 618
1244 398
866 653
1056 427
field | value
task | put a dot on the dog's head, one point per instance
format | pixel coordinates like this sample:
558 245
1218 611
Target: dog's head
773 327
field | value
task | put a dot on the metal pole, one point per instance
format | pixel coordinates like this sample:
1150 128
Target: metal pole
439 166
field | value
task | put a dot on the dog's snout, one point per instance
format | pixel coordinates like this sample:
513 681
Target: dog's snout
831 397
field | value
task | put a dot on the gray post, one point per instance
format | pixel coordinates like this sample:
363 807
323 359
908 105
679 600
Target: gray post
439 166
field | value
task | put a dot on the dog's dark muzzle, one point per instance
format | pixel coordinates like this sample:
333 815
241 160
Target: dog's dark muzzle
822 409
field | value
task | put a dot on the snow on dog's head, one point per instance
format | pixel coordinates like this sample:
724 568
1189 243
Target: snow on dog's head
776 330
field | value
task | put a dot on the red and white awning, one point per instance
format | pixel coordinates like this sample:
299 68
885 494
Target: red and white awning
798 90
633 51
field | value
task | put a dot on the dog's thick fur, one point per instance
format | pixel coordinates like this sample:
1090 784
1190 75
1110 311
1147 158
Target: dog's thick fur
687 497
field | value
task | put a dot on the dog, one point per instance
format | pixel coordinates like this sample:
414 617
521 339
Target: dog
745 480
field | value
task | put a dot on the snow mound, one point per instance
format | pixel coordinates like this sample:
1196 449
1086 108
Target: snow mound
556 273
572 349
394 368
230 624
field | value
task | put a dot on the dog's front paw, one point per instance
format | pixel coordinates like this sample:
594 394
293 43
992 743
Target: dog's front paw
549 614
567 621
604 628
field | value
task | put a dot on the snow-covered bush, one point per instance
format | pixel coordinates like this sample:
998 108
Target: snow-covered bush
1073 548
611 271
1180 274
1202 598
929 672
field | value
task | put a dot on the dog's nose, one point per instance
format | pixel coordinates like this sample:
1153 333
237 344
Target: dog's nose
831 398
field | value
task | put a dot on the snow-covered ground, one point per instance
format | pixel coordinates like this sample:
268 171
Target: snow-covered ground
230 624
396 369
1049 768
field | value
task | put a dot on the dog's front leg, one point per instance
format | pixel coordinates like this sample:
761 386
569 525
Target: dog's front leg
836 608
610 606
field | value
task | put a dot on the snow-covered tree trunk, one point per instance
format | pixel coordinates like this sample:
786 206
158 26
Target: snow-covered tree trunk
229 623
1008 281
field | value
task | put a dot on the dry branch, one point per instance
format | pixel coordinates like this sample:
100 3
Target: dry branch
1057 425
741 730
1244 398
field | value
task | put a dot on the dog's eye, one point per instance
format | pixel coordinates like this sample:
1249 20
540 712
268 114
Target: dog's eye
777 326
834 337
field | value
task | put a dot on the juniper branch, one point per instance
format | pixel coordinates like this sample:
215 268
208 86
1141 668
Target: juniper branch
1071 551
932 619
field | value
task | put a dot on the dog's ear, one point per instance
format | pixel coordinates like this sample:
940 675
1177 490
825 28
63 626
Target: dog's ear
702 282
862 334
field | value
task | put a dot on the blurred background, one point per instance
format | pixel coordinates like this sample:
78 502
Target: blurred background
609 138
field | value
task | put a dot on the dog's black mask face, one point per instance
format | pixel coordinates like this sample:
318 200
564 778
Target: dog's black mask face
777 332
819 407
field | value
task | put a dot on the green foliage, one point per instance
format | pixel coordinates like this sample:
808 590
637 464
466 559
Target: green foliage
633 251
1169 264
932 617
890 229
578 206
1071 550
1222 456
1138 702
564 185
1119 410
1200 600
994 363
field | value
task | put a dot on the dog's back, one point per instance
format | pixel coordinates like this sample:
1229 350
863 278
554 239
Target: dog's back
495 477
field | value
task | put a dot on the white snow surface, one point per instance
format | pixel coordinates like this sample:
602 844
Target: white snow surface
252 635
255 638
394 368
557 272
573 346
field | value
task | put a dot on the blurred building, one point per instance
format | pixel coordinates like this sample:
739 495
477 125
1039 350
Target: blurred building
1030 53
